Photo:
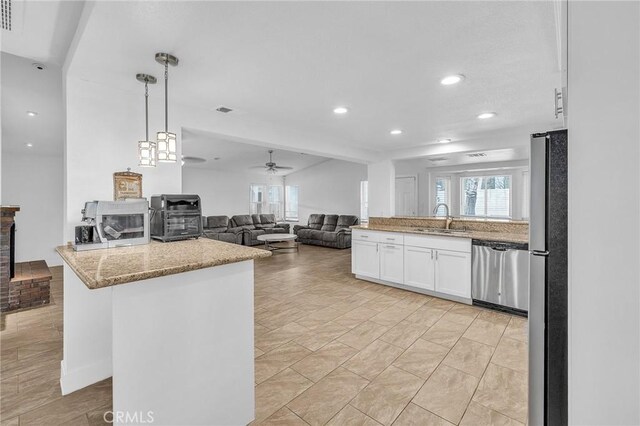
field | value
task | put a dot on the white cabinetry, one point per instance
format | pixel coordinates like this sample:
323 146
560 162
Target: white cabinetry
438 264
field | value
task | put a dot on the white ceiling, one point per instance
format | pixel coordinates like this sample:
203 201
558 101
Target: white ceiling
25 88
290 63
235 156
468 159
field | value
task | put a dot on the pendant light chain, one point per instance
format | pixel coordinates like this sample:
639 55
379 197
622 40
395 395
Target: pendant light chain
166 97
146 109
147 155
166 140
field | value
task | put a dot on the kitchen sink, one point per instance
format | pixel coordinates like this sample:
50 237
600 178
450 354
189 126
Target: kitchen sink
443 231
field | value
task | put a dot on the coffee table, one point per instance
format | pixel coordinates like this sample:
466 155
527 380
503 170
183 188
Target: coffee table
270 239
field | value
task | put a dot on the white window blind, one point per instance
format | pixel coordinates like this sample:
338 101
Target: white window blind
266 199
442 192
486 196
291 207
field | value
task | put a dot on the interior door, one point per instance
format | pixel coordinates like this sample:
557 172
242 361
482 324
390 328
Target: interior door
406 196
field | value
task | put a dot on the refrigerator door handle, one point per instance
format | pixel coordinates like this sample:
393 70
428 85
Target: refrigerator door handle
544 253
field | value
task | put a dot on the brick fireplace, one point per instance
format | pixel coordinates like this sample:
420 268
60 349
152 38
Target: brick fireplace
25 284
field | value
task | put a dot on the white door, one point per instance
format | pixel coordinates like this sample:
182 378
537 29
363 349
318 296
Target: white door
419 267
406 198
453 273
391 263
364 259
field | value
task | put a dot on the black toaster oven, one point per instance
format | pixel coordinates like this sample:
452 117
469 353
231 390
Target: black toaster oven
175 217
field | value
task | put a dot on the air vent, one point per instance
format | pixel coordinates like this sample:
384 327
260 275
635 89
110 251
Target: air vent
477 154
436 159
224 109
5 5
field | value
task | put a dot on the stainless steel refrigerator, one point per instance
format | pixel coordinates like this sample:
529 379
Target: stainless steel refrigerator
548 279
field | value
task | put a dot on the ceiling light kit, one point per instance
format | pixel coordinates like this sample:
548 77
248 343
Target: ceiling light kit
486 115
166 145
395 132
444 140
146 149
29 145
340 110
452 79
39 66
32 113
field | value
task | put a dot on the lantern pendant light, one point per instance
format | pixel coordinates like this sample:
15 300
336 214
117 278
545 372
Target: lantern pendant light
146 148
167 150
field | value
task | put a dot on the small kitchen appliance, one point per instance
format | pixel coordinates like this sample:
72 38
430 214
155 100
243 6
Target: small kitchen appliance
175 217
113 224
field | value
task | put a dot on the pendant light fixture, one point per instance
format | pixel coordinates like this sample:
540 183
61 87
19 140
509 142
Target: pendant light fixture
167 151
146 148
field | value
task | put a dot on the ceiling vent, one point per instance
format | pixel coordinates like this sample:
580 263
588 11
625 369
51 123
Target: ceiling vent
477 154
5 5
436 159
224 109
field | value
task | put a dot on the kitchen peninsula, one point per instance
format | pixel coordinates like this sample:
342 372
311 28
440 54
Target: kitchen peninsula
172 323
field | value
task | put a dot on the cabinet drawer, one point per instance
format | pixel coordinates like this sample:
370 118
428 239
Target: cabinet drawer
440 243
378 237
391 238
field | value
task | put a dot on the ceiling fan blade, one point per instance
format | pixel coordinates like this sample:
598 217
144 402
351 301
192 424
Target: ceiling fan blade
258 167
284 167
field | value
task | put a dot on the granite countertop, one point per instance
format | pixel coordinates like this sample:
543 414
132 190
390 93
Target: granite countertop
473 234
120 265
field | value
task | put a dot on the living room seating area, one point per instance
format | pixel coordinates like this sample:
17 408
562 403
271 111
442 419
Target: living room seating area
242 229
327 230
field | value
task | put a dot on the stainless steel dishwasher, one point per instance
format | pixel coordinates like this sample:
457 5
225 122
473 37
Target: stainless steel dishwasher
500 275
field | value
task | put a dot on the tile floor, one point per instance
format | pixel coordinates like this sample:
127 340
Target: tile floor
329 349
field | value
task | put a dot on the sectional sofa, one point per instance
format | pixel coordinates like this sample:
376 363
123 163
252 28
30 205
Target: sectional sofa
242 229
327 230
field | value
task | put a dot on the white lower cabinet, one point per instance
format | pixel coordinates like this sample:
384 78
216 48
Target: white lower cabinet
419 267
439 264
391 263
453 273
364 259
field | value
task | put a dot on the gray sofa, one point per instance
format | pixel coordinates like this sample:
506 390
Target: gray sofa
264 224
330 230
217 228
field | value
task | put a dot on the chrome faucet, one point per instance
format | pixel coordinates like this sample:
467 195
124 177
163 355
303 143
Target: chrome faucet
446 210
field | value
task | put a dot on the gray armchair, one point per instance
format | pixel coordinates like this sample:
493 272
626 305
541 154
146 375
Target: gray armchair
333 231
217 228
268 222
250 231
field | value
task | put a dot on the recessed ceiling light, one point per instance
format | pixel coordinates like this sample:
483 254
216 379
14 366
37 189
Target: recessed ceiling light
38 66
32 113
29 145
486 115
396 132
444 140
452 79
340 110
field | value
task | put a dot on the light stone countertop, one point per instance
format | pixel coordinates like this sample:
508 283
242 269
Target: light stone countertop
120 265
506 237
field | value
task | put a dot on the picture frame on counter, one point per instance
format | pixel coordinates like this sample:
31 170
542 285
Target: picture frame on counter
127 185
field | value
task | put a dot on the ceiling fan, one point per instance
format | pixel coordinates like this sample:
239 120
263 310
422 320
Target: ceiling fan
272 167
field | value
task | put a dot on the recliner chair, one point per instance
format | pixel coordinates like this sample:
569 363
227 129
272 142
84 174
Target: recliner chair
250 231
217 228
327 230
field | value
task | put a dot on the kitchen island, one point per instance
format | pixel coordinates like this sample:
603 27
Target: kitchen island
172 323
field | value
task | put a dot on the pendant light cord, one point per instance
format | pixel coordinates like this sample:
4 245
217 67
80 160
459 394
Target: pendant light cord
166 96
146 108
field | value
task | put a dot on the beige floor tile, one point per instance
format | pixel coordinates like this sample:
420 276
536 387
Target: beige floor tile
279 336
404 334
324 361
504 390
441 303
512 354
415 415
465 320
10 422
275 361
393 315
485 332
493 316
257 352
517 329
81 420
284 417
469 356
381 302
16 403
319 318
478 415
362 335
97 417
321 336
349 416
355 317
447 393
426 315
421 358
373 359
277 391
387 395
445 333
318 404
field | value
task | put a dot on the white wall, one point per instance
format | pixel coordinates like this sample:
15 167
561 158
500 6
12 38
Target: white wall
223 192
382 188
34 182
331 187
604 252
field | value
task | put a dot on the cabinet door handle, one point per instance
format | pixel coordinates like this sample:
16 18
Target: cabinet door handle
431 254
393 247
391 239
364 236
436 254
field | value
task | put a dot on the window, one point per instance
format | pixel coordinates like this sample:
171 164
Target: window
442 194
266 199
486 196
364 201
291 205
